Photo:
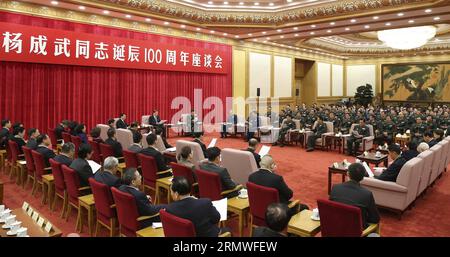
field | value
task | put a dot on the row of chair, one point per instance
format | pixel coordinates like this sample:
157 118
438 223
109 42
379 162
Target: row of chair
414 178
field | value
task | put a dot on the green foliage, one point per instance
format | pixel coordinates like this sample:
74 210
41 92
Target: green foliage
364 95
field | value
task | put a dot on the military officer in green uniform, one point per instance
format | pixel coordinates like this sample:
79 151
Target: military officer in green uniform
359 132
418 130
288 125
320 129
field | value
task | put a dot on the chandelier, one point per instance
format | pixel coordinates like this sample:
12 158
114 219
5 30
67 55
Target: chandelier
407 38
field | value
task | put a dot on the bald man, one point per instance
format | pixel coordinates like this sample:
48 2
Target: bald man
252 144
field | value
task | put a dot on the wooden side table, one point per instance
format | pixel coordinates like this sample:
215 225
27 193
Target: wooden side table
47 188
163 183
33 228
150 232
302 225
240 207
87 202
22 172
121 168
373 159
341 169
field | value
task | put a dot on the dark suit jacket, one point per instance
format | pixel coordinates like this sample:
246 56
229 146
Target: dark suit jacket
108 178
432 143
116 146
47 153
200 212
31 143
409 154
58 131
227 182
121 124
84 171
352 193
154 121
83 137
203 146
266 178
63 160
391 173
266 232
135 148
4 136
144 206
159 158
256 155
20 142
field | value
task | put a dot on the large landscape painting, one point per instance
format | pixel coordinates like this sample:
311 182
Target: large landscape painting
425 82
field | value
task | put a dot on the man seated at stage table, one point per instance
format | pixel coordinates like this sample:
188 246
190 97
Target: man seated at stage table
391 173
132 181
410 151
266 176
156 122
18 134
277 220
134 128
253 124
136 147
152 151
198 138
352 193
81 164
193 122
230 122
428 138
110 123
203 215
66 155
288 125
319 130
112 141
252 145
107 175
359 132
44 143
121 122
33 133
95 135
213 165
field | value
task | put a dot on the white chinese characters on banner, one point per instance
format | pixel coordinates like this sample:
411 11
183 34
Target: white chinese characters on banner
119 53
184 58
82 49
12 42
218 62
196 60
171 57
101 51
62 47
133 53
38 45
208 61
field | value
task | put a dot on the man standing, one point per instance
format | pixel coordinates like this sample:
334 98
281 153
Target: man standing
359 132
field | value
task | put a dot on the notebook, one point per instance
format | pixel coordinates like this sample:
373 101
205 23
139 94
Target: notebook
264 150
368 170
94 166
213 143
221 206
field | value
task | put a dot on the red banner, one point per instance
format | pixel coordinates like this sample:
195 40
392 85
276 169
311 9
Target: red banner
41 45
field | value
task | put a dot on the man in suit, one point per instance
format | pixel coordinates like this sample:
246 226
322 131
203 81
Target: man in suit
198 138
152 151
352 193
391 173
410 151
319 130
288 125
213 166
359 132
62 127
112 141
136 147
252 144
231 121
200 212
33 133
155 121
81 165
4 133
428 137
121 122
44 143
18 134
277 219
132 181
107 175
66 155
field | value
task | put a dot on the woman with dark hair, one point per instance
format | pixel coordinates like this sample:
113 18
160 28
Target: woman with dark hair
80 131
18 134
81 164
95 134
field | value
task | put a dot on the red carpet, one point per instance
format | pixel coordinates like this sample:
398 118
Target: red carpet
306 174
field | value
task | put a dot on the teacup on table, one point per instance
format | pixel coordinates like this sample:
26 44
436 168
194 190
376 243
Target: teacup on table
22 232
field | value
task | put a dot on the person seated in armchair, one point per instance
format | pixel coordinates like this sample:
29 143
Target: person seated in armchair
319 130
288 125
359 132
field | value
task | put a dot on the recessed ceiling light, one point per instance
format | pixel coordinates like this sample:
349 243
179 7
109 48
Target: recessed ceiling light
312 33
313 26
329 31
183 26
54 2
332 23
347 29
128 16
268 38
241 3
289 1
81 7
296 35
271 4
411 21
428 10
388 24
256 3
436 18
148 19
210 2
166 23
198 29
400 14
295 28
225 34
264 32
375 17
255 39
281 36
225 2
250 34
279 30
367 26
105 12
212 31
352 20
237 36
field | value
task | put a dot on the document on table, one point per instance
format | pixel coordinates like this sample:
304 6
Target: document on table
157 225
94 166
162 122
369 171
213 143
221 206
172 149
264 150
